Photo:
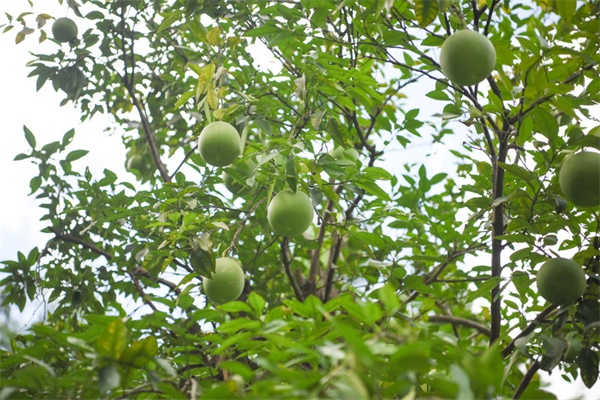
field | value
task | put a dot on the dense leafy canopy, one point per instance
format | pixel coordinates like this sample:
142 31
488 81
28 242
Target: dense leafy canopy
410 282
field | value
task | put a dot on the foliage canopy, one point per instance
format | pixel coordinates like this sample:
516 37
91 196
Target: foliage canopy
411 282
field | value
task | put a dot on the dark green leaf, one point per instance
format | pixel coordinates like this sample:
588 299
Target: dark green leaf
29 137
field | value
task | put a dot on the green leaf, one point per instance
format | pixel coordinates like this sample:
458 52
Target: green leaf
29 137
139 353
588 367
483 290
426 11
522 282
169 19
114 340
291 176
257 302
203 262
553 351
373 188
566 8
76 155
545 123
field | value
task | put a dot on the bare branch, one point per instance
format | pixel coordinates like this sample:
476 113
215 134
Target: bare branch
530 328
526 380
285 256
442 319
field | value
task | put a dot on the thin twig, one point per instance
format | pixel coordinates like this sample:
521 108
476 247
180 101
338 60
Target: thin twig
459 321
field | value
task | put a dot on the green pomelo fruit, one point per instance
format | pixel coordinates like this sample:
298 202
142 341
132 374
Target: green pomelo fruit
64 30
561 281
347 154
136 162
290 213
467 57
226 283
219 144
236 185
579 179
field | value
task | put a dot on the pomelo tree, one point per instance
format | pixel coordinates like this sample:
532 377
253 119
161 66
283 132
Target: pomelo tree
416 277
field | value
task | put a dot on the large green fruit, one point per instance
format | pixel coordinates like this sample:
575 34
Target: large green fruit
467 57
226 283
219 144
64 29
233 184
579 179
561 281
290 213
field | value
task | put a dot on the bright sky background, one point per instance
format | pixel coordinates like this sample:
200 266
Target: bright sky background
40 111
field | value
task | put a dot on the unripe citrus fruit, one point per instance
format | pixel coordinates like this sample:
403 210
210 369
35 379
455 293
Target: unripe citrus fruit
347 154
226 283
64 29
233 184
579 179
136 162
467 57
561 281
219 144
290 213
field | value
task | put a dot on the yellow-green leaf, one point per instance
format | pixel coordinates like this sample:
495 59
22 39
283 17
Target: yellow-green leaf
426 11
213 36
566 8
114 340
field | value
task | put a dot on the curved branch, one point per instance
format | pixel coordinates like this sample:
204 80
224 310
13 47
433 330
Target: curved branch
530 328
443 319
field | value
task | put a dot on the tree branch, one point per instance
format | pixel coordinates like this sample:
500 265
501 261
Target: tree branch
442 319
287 266
526 380
530 328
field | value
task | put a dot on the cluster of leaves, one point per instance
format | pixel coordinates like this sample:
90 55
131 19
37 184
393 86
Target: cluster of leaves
387 296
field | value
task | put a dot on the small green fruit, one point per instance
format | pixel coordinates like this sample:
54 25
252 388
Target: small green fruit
64 30
290 213
579 179
348 154
226 283
561 281
136 162
234 185
467 57
219 144
140 163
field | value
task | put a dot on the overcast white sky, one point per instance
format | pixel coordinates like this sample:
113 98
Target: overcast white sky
40 111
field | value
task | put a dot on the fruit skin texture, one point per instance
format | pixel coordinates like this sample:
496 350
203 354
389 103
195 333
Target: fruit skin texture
219 144
226 283
64 30
290 213
234 186
467 57
561 281
579 179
